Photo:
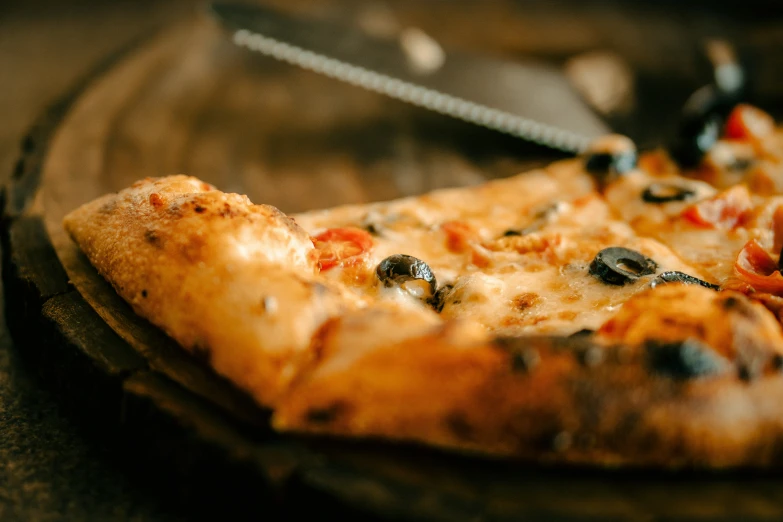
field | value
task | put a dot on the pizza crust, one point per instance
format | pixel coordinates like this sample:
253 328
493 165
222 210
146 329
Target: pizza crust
550 399
228 280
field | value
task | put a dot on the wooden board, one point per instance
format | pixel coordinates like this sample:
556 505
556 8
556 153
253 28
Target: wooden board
188 101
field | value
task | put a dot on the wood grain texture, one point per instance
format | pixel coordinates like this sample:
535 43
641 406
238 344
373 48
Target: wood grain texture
187 101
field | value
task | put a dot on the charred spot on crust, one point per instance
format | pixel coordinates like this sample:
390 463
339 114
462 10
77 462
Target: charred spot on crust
590 356
325 414
524 360
144 293
199 209
522 356
459 426
152 237
525 351
562 441
684 360
739 305
228 211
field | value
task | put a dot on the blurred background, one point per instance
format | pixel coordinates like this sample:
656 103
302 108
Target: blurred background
637 60
353 146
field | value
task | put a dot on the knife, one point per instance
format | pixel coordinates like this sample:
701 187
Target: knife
529 100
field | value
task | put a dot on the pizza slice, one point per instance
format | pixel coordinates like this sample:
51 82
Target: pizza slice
571 313
230 281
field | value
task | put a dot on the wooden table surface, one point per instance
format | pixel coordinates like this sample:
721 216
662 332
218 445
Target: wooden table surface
53 466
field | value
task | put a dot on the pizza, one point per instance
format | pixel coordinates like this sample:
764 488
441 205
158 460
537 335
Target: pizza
615 309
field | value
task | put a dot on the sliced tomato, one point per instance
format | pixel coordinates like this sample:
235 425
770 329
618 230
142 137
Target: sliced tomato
458 235
728 209
756 267
337 245
748 123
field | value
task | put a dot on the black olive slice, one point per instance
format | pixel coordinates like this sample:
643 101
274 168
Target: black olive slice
438 301
400 268
666 192
618 265
680 277
685 360
603 163
611 155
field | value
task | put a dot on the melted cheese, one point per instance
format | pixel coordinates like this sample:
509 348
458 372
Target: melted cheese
625 199
536 282
712 250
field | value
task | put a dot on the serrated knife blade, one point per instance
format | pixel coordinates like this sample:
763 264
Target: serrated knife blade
529 100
